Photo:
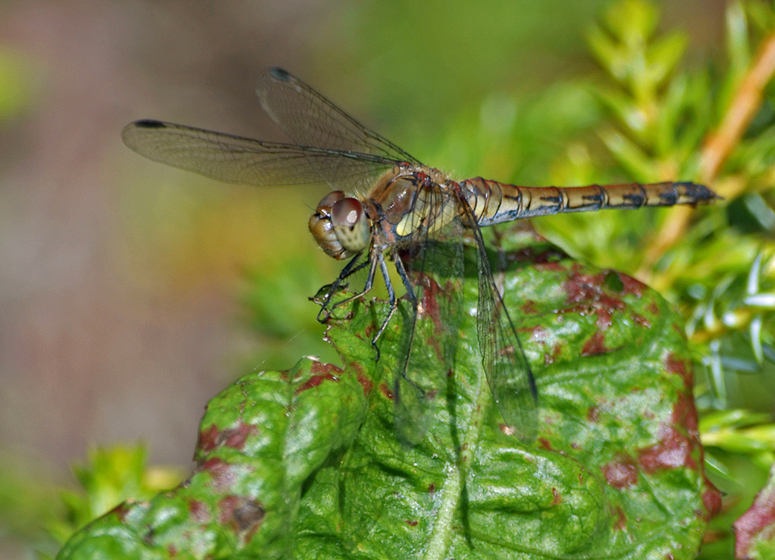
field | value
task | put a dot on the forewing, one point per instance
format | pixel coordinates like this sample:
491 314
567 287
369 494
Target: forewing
435 272
234 159
312 120
508 371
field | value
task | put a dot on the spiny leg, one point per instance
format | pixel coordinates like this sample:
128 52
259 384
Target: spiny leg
413 324
391 300
350 269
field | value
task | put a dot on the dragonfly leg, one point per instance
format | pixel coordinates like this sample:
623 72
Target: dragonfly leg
352 267
373 260
391 300
413 300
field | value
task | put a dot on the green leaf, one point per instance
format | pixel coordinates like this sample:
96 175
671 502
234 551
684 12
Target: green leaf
110 476
720 419
761 16
738 46
306 463
738 53
685 118
607 53
626 112
665 54
633 21
629 155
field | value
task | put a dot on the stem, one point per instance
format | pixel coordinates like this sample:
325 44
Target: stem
718 146
741 111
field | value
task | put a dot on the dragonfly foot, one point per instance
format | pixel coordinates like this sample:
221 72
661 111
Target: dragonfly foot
324 315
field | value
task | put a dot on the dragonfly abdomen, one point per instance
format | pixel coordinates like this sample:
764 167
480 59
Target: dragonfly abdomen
495 202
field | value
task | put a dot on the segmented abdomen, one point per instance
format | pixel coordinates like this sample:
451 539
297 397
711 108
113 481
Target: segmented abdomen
495 202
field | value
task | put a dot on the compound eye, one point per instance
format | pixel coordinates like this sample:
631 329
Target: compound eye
346 212
329 200
350 226
323 230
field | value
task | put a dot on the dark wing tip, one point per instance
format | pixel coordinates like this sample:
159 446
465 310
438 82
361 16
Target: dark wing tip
280 74
148 123
133 134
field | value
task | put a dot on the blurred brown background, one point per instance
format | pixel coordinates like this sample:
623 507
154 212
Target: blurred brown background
121 279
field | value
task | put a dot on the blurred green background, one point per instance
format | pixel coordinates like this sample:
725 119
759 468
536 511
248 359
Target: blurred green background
131 293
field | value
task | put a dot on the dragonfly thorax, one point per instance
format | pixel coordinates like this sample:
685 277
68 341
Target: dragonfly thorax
340 226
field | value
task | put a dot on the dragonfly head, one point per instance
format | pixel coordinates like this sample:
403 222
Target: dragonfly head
340 226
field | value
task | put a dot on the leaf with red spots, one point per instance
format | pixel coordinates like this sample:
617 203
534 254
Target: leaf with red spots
755 529
260 442
307 464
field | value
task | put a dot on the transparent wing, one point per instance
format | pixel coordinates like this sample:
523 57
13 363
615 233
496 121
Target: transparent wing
508 371
430 338
312 120
234 159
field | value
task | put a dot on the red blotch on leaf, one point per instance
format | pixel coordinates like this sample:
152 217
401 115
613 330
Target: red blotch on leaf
316 381
582 287
199 511
682 368
554 355
679 445
208 438
545 444
366 383
248 517
226 507
383 388
758 521
529 308
620 518
591 290
545 259
121 511
595 345
320 368
685 414
553 266
640 320
242 514
621 473
673 451
711 499
222 474
603 318
234 438
631 285
429 305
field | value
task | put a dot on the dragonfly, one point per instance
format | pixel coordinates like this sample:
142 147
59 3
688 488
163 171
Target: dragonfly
409 211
